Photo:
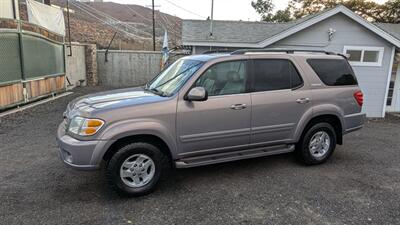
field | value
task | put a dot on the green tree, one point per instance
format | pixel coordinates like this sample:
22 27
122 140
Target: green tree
366 9
265 9
388 12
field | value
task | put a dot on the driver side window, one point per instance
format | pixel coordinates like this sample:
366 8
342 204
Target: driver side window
224 78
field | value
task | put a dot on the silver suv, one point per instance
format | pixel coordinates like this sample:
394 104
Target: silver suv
214 108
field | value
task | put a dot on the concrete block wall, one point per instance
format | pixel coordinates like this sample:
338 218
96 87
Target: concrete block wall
127 68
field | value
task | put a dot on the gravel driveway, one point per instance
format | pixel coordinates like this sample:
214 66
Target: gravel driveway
359 185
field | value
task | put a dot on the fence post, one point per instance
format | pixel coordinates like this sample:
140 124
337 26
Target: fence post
21 59
65 64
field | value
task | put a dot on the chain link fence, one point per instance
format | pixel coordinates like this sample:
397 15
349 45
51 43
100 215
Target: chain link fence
32 62
33 56
41 57
10 65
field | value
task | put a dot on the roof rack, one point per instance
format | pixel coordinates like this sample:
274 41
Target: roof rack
216 51
288 51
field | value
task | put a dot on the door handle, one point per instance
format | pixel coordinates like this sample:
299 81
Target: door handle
303 100
238 106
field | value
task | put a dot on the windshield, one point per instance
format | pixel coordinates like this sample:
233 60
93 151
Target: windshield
169 81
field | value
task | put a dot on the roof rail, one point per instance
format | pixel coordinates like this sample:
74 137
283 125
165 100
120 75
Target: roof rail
216 51
288 51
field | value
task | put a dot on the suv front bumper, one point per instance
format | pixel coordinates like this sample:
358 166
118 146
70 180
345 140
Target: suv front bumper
75 153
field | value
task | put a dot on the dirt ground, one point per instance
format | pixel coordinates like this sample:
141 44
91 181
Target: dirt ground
360 184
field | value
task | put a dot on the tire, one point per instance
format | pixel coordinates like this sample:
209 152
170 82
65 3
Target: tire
122 179
312 148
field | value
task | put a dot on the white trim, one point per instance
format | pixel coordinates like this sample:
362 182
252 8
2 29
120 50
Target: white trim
396 92
303 25
395 106
380 51
388 80
221 44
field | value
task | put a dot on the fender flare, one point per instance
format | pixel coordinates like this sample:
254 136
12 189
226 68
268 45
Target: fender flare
320 110
122 129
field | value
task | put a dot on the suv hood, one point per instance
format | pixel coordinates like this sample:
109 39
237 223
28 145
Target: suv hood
113 99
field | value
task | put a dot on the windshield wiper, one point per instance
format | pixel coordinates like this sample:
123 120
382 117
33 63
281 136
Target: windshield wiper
155 91
173 78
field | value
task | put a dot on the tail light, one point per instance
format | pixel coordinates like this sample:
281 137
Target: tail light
359 96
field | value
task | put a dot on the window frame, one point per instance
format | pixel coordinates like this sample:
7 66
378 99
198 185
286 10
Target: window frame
252 75
247 75
380 51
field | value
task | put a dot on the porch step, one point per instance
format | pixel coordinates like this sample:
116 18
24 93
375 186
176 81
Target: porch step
233 156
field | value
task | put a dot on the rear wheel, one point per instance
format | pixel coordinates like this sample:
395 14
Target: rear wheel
135 169
317 144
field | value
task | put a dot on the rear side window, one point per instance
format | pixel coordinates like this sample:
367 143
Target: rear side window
333 72
275 74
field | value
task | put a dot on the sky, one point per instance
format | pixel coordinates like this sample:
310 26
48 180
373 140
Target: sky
201 9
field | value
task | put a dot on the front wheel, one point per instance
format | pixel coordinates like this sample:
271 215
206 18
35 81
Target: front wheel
317 144
135 169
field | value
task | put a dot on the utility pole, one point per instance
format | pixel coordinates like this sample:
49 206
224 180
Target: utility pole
69 30
211 21
154 27
14 11
212 18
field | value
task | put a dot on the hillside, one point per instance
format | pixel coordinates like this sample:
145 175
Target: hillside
96 22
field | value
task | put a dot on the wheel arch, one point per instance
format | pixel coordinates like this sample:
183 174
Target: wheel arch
333 119
148 138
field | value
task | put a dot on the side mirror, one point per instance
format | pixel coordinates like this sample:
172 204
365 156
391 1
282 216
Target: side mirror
197 94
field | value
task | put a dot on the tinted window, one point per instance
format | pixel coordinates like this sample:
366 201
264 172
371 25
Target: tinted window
333 72
224 78
275 74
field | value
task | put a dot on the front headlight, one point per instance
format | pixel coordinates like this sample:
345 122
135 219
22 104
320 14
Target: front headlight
84 126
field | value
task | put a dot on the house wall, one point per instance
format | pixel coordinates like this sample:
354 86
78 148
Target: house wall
202 49
372 80
127 68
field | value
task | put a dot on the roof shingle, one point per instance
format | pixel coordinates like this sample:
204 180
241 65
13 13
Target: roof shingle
252 32
390 28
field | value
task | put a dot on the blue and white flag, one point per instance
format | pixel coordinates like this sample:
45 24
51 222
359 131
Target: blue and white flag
165 52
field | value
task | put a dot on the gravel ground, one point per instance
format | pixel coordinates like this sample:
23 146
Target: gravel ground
359 185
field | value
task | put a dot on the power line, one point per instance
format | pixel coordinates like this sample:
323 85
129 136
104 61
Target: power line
178 6
114 20
140 15
166 23
163 22
105 22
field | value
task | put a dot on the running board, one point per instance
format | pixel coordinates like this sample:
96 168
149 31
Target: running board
233 156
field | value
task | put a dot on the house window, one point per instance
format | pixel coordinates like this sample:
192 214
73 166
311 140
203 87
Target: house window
364 56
